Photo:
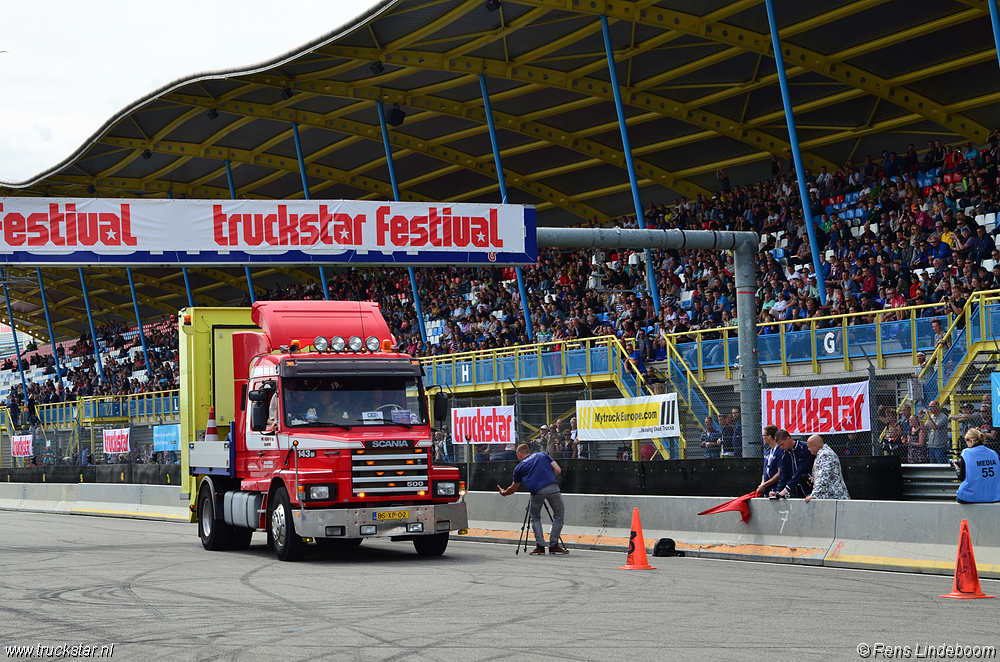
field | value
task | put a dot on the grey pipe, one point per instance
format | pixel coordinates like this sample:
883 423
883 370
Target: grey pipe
664 239
745 245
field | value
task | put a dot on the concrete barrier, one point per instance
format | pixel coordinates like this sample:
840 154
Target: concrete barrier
914 537
884 535
160 502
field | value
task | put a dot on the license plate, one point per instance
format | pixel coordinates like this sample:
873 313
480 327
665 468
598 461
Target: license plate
390 515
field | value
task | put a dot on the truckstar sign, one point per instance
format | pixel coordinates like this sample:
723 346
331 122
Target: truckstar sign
483 425
833 409
117 231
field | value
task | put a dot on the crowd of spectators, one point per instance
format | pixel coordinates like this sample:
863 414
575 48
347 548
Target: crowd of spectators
924 435
870 251
80 377
870 254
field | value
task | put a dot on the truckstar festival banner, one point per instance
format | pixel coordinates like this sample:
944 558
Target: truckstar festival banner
483 425
116 441
94 231
21 446
840 408
648 417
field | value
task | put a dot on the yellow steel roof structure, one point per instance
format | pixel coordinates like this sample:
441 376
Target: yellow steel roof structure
697 79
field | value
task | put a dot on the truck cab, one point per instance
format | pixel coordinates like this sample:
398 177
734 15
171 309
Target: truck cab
329 436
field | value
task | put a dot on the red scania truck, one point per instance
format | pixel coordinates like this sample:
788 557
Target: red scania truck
327 434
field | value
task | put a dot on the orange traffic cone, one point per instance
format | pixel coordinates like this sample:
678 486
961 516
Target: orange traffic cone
211 432
966 584
636 559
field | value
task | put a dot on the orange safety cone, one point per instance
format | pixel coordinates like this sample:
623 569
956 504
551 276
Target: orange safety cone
211 432
966 584
636 559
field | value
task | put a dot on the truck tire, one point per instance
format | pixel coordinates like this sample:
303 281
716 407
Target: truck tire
215 534
288 545
431 545
241 538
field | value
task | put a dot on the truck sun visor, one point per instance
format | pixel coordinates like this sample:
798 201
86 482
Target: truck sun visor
344 366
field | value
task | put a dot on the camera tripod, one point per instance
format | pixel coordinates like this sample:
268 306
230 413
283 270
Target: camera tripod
524 528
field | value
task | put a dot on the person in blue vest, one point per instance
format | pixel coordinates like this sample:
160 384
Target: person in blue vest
979 471
772 461
796 467
538 472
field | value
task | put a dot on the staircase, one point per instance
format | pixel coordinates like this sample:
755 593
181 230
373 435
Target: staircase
964 370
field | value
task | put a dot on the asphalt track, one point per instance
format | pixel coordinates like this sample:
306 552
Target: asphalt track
150 588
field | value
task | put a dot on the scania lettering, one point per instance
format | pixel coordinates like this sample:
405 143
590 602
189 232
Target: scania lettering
326 431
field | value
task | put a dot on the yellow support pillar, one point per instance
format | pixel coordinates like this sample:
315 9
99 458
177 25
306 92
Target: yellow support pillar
725 351
812 343
846 346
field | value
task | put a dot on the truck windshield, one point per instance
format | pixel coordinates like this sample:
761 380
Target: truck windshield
353 400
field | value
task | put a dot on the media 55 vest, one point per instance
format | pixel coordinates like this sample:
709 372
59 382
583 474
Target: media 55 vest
982 476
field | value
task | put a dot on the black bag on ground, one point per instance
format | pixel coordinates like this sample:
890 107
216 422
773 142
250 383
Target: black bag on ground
666 547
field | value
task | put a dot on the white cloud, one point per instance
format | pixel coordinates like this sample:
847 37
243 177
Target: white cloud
71 66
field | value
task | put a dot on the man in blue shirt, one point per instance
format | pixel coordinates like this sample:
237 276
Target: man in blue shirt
796 467
538 472
772 461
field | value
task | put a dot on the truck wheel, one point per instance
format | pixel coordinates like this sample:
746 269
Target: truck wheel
215 534
241 538
431 545
338 544
288 545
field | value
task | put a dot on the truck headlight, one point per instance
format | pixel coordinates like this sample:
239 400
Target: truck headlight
368 529
415 527
337 343
355 344
319 492
320 343
446 489
372 344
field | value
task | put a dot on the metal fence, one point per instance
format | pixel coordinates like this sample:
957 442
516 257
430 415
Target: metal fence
81 441
542 420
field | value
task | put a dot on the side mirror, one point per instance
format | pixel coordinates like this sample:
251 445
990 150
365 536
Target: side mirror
258 415
440 406
256 396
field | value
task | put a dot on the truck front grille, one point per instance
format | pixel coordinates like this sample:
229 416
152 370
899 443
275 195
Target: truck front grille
390 472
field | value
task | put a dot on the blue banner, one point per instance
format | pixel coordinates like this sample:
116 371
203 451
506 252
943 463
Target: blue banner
167 437
995 385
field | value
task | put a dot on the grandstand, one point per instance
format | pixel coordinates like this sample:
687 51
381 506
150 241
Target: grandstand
706 125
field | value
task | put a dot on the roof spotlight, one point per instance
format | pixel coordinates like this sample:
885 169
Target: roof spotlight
91 190
146 154
287 93
377 68
493 5
213 113
394 116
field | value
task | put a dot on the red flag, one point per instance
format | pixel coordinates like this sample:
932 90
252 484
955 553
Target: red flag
738 504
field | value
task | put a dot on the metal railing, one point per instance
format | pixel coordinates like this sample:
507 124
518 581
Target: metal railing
153 407
495 368
828 337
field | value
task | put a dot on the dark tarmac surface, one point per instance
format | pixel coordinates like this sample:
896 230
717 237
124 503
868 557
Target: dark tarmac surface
150 588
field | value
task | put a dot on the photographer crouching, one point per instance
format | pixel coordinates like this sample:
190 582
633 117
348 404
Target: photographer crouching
979 470
538 472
